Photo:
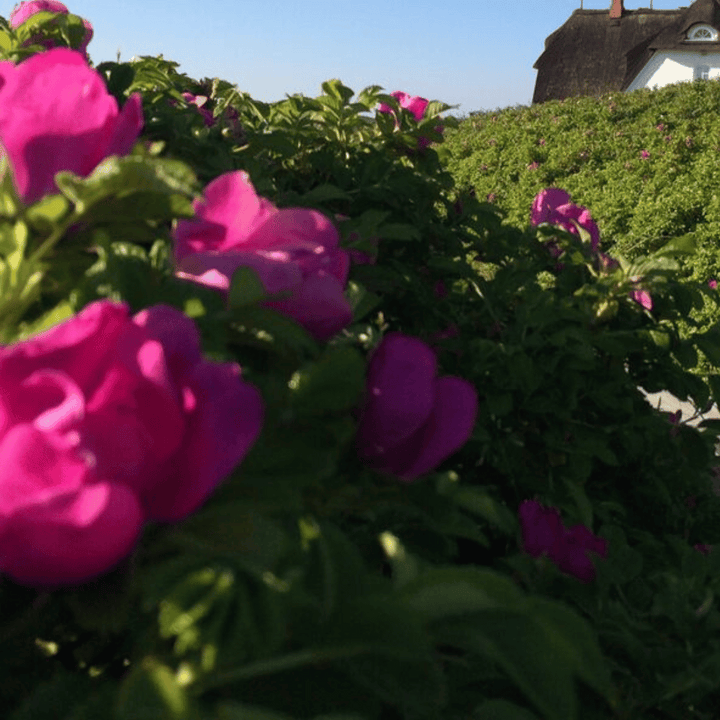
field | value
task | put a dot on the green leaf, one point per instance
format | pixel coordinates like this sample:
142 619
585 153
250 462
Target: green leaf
361 300
502 710
443 593
231 710
399 231
53 699
527 650
336 571
336 89
333 383
48 212
151 692
246 288
234 529
6 41
709 343
53 317
683 245
273 328
322 194
478 502
577 640
122 176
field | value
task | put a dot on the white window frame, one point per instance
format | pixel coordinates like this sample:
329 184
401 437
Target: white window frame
702 33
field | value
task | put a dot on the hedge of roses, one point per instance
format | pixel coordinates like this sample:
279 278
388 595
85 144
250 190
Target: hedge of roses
644 162
294 428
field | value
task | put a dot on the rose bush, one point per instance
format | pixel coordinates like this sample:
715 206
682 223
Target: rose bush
318 578
109 421
56 114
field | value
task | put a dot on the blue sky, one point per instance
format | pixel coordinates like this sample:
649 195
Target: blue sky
478 54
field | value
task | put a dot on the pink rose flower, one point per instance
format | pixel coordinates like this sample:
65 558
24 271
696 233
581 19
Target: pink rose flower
108 421
643 298
294 251
712 284
640 296
544 533
198 101
56 114
412 420
553 206
27 9
413 104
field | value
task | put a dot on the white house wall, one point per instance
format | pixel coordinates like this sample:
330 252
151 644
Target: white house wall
672 66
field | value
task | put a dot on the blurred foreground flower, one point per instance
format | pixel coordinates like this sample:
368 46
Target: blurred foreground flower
412 420
56 114
108 421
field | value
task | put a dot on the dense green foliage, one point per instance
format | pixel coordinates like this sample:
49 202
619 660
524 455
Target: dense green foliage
646 163
310 587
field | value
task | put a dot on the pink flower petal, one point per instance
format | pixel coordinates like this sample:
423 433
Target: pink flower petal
541 528
27 9
230 204
56 114
54 518
400 393
446 430
225 424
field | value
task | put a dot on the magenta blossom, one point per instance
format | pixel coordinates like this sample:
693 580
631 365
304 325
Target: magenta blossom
544 533
640 296
56 114
643 298
108 421
553 206
198 101
712 284
415 105
703 548
412 419
27 9
644 154
294 251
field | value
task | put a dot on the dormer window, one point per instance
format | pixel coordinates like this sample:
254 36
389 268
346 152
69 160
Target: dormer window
702 33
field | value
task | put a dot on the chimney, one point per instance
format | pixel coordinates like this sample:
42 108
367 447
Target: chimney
616 9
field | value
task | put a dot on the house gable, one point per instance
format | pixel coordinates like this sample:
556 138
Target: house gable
594 52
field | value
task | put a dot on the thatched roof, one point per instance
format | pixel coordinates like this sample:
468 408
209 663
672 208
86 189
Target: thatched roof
593 53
